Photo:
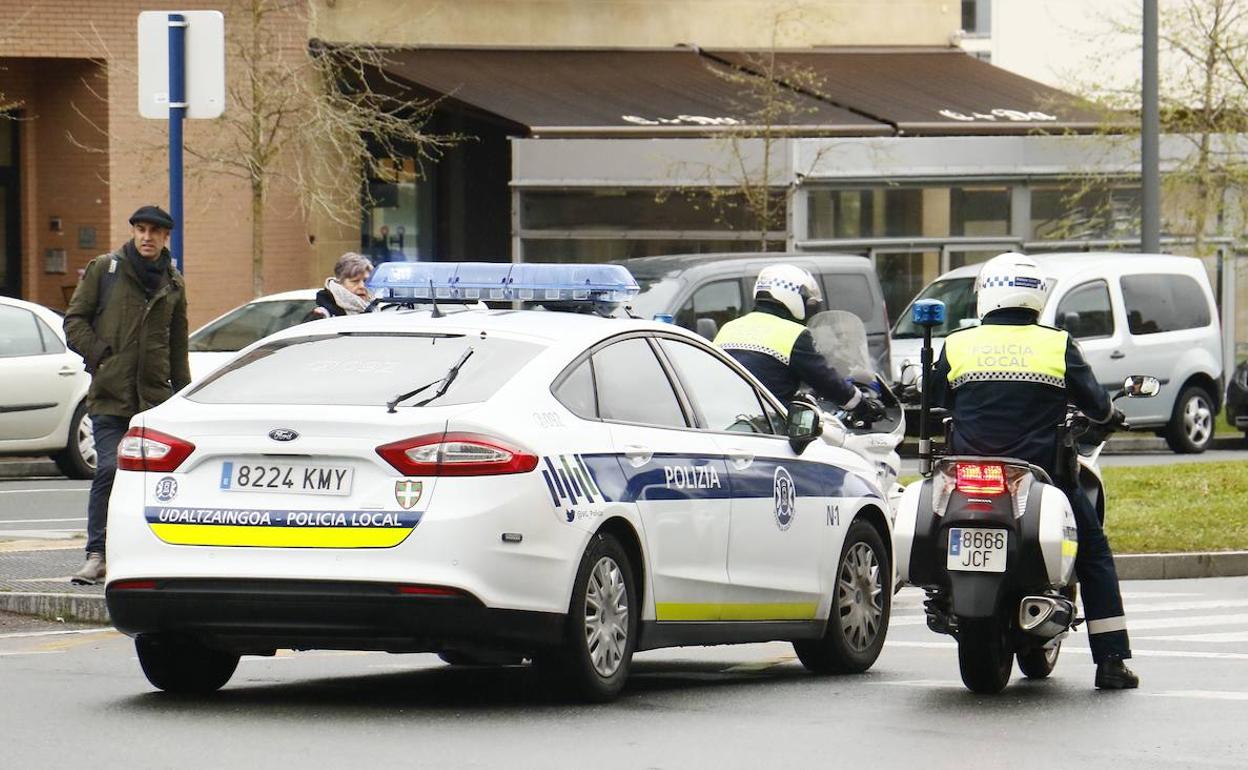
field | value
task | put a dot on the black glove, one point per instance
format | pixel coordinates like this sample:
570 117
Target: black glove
1117 420
869 409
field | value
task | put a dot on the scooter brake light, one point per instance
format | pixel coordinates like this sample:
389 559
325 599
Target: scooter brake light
981 479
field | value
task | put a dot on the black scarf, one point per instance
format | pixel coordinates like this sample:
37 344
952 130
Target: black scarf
150 271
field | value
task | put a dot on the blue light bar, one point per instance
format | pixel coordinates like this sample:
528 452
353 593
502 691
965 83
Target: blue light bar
603 286
927 312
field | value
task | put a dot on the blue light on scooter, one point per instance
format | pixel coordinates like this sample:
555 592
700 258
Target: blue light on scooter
927 312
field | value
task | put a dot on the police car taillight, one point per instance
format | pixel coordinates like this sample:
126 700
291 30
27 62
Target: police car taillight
981 478
143 449
456 454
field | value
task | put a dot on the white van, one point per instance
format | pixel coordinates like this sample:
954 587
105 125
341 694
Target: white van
1132 314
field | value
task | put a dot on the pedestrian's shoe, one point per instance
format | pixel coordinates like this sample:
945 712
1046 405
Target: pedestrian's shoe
1113 674
94 569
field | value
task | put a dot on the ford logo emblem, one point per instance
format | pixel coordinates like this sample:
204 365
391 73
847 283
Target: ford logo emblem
283 434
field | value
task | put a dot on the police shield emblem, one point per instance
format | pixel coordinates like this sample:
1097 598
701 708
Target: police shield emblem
785 497
407 493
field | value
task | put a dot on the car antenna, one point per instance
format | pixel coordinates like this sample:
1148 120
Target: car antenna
433 298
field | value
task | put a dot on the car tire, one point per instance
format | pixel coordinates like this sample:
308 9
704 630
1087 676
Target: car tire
180 665
1190 430
858 622
77 459
600 633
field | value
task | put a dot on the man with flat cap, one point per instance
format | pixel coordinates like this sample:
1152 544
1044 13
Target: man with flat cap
127 319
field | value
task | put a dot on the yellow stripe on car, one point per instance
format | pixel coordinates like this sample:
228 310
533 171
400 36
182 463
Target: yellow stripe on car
766 611
281 537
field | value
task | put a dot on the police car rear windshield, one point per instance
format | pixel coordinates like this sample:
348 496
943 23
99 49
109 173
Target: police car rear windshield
365 369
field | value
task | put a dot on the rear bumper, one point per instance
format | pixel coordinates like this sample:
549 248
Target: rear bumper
258 616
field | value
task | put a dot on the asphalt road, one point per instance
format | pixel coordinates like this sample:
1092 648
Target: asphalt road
73 699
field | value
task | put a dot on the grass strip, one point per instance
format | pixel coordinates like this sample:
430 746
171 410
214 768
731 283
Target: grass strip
1181 507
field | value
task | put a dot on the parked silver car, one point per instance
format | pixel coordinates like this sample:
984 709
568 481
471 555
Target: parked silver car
1130 313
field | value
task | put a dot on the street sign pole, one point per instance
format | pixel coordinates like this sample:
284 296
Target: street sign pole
177 112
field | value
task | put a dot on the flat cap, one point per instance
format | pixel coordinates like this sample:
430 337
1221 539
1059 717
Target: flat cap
153 215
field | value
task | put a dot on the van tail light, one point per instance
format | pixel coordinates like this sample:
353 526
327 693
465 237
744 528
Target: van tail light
144 449
456 454
981 478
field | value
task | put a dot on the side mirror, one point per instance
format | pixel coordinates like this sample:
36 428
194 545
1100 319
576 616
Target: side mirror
1140 386
804 425
707 327
966 323
1069 321
909 374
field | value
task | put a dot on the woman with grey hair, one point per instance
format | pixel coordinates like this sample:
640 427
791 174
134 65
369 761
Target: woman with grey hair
345 293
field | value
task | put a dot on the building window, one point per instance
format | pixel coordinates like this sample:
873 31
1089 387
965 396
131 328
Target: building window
977 17
903 212
1074 211
398 222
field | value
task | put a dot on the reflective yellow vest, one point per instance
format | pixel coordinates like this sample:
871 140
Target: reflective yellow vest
1001 353
761 333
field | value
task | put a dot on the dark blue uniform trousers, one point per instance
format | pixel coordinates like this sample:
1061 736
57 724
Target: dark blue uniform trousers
1098 583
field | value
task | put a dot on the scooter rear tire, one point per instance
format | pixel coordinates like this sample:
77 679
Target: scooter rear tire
984 657
1039 662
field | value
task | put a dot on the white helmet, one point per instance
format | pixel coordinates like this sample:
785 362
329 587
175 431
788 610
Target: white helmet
791 286
1010 280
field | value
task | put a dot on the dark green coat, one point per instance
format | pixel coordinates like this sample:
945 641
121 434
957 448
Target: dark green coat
137 352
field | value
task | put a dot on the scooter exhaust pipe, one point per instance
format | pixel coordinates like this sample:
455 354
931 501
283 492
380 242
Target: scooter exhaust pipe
1045 616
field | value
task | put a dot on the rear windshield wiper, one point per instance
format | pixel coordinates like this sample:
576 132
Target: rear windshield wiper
445 379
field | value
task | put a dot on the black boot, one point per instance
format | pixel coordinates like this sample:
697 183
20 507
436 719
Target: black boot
1113 674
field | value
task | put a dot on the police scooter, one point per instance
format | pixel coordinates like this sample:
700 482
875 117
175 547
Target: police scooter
992 540
841 338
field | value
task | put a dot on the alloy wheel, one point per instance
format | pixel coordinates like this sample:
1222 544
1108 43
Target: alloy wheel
859 596
85 438
606 616
1197 419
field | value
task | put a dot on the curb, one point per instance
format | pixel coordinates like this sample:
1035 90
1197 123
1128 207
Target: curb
16 469
1166 566
84 608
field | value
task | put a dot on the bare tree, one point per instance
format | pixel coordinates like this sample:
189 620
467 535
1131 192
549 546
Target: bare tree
773 97
1203 95
310 118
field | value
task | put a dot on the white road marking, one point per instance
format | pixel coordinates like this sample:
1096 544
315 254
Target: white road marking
31 652
28 634
51 489
1201 694
1212 604
1215 638
1187 622
1067 648
38 521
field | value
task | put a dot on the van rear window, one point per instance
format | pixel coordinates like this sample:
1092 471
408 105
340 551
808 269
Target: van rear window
1164 303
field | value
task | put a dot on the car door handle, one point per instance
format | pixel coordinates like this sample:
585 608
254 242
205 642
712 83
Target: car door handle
1117 354
638 455
67 371
740 458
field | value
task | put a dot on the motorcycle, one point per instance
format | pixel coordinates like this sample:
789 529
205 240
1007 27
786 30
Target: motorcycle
841 338
992 542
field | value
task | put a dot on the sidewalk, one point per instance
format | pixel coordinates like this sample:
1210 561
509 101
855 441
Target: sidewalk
34 576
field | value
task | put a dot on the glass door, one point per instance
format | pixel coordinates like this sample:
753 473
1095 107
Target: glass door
10 211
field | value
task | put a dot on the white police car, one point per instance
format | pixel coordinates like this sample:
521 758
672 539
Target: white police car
559 486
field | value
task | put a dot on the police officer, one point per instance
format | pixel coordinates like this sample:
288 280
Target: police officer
1007 383
777 348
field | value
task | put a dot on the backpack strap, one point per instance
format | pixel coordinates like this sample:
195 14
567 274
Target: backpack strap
107 280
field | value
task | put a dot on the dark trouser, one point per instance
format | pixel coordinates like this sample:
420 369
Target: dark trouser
108 431
1098 584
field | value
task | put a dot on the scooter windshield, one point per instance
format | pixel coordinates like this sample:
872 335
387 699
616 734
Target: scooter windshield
841 339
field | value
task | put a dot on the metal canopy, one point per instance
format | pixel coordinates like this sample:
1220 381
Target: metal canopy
600 93
927 91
